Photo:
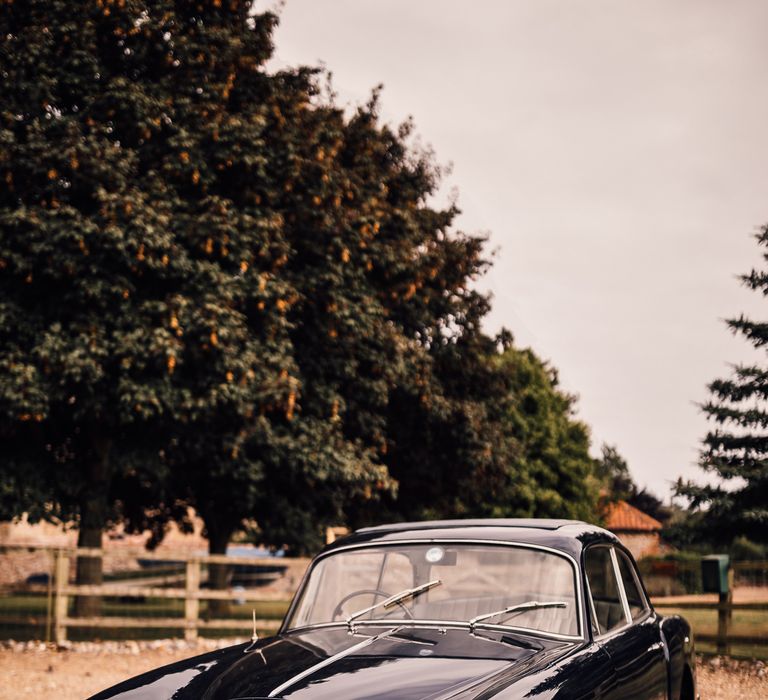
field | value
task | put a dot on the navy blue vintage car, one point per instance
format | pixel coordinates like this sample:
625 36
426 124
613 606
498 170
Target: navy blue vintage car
454 609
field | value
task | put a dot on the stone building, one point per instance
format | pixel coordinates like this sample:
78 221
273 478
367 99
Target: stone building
639 532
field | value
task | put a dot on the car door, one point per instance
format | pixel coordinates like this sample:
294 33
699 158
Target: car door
625 626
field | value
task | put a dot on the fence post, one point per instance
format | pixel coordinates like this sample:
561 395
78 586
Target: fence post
61 601
191 601
49 595
724 617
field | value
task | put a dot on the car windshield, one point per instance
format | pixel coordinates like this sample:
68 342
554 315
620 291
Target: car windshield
475 580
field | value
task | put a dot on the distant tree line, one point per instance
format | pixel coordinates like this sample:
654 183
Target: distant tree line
220 289
617 484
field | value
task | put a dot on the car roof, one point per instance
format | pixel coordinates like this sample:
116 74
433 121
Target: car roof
536 523
569 536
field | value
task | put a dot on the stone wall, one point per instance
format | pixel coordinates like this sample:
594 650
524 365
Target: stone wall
641 544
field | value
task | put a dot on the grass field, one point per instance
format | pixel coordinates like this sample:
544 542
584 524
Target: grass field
753 623
14 608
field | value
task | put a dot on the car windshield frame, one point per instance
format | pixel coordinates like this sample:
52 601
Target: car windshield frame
442 624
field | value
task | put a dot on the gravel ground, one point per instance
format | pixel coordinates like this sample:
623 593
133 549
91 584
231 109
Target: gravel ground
727 679
32 671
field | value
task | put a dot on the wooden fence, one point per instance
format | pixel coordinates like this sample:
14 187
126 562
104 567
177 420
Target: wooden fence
751 573
186 583
59 590
724 638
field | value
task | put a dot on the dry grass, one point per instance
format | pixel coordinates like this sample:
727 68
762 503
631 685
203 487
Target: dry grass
737 682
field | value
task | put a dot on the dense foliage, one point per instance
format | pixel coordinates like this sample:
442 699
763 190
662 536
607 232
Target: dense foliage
498 440
736 450
616 483
219 289
141 319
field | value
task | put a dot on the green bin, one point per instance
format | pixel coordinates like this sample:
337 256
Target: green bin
714 573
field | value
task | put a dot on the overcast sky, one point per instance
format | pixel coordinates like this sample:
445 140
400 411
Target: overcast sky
616 153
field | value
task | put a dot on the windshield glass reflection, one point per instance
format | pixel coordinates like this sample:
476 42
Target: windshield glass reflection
475 580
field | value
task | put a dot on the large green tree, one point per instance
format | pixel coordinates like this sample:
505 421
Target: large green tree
228 273
128 303
554 444
219 289
383 281
736 450
144 344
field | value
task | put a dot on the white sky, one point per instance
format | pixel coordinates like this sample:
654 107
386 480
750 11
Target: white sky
616 152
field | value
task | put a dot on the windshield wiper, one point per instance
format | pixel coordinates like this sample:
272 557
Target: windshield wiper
530 605
507 638
400 636
394 599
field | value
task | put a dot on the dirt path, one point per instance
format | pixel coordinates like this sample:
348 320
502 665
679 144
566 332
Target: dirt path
70 675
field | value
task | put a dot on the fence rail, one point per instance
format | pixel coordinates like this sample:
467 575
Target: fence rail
724 639
725 607
60 590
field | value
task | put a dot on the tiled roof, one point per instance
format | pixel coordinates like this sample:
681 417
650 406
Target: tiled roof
620 516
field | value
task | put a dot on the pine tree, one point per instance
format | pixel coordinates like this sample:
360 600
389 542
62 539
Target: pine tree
736 451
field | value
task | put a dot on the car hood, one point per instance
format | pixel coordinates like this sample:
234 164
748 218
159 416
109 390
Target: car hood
332 664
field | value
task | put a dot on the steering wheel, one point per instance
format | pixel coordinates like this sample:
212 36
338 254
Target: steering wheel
365 591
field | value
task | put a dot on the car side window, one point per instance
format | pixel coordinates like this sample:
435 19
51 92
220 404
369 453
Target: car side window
635 597
604 589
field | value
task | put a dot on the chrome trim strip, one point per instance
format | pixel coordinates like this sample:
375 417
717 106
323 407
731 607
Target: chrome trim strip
602 636
454 540
591 605
611 633
440 624
638 582
330 660
620 584
457 624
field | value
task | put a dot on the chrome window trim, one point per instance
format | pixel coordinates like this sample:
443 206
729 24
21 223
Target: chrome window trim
581 636
623 628
638 584
602 636
436 624
593 616
622 592
612 633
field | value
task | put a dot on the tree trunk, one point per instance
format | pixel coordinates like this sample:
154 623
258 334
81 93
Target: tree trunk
93 518
219 575
89 572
